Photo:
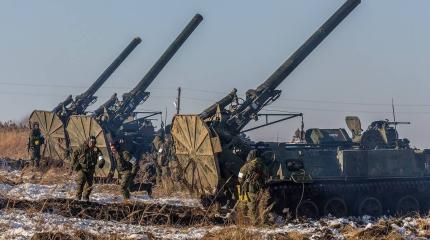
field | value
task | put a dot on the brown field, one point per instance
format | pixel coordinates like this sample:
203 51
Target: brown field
13 142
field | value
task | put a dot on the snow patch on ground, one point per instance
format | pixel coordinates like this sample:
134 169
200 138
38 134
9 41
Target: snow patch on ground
10 174
30 191
17 224
5 188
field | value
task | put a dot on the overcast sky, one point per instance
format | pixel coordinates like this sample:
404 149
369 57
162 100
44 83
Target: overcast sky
49 49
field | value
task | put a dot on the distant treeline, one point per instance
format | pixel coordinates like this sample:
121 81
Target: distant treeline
13 125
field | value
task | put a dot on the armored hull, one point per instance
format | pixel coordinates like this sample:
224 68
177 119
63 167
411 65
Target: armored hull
353 196
316 180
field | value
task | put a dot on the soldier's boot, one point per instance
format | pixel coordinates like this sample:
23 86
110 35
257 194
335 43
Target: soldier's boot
33 162
87 191
126 181
149 189
37 162
126 194
79 191
86 195
80 184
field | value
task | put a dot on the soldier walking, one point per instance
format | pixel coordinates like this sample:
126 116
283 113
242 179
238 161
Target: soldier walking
84 162
35 141
126 166
252 178
157 147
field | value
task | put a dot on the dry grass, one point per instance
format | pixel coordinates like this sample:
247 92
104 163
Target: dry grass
239 233
48 176
232 234
13 143
55 175
77 235
381 230
423 227
5 180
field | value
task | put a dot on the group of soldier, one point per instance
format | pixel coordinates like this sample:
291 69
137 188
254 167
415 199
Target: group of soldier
88 157
85 160
160 168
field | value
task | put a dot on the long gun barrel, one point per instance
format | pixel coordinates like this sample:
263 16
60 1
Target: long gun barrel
300 54
399 123
266 92
210 111
132 99
83 100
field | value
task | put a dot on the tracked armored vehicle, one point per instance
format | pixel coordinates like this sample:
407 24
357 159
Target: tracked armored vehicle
209 146
329 172
369 173
53 123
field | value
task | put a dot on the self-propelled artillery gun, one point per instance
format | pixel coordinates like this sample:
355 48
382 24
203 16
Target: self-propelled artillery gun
115 120
53 123
371 172
209 147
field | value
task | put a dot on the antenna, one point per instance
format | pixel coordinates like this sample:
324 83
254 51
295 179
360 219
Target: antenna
395 123
302 132
178 101
165 120
394 113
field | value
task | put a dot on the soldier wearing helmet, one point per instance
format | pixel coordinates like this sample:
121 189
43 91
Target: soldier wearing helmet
35 141
126 165
85 160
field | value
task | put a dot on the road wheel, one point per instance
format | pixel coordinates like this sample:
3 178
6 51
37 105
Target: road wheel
407 204
369 206
308 208
336 206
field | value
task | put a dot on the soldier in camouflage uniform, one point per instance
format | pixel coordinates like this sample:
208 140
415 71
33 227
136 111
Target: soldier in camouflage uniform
35 141
84 162
157 146
166 155
163 147
126 166
149 172
157 142
252 178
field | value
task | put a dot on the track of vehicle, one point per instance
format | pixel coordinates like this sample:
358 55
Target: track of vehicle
342 197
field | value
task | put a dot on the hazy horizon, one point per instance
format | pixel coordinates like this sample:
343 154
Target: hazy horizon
51 49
